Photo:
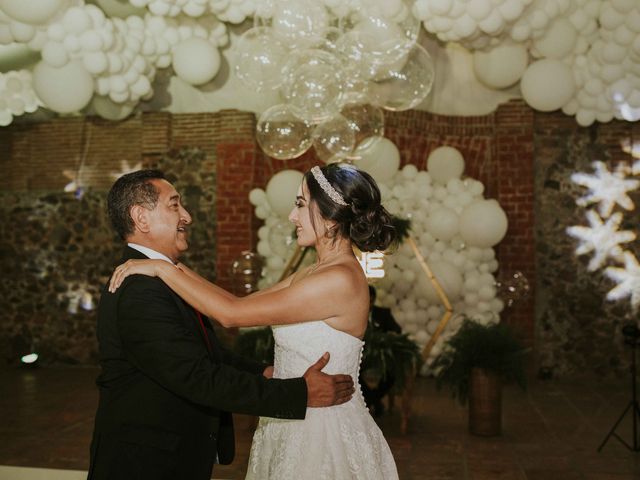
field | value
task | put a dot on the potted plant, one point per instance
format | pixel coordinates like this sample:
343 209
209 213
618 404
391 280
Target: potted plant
474 364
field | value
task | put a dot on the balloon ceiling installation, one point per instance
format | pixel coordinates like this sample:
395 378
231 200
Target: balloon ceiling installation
325 54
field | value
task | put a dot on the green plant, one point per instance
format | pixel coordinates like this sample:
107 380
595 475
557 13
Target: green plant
402 226
490 347
390 354
256 343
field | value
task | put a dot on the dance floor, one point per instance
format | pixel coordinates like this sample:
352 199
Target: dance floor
551 431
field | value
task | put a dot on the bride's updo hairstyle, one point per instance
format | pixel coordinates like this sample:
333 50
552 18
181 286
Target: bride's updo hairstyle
351 198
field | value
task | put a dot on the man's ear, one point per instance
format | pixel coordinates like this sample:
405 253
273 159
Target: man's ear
140 217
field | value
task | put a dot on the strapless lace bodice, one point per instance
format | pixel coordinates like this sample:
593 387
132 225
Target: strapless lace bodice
334 443
300 345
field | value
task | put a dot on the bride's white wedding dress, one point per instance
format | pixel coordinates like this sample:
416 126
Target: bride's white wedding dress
333 443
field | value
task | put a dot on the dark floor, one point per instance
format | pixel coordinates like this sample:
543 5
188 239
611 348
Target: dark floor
550 432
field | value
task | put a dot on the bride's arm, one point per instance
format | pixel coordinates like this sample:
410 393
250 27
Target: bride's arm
191 274
316 297
281 284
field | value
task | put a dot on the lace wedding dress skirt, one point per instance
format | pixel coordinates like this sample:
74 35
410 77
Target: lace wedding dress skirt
334 443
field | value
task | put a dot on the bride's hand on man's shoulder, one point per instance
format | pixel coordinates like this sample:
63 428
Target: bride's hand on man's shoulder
149 267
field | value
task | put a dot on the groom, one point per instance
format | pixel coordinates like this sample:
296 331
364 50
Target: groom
167 386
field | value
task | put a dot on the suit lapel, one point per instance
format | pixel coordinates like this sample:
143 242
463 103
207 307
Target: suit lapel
188 314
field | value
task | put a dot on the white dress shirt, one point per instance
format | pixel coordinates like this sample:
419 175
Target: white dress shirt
149 252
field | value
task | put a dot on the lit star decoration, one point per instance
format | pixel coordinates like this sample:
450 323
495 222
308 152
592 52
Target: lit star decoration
125 168
78 182
633 149
628 280
603 239
606 188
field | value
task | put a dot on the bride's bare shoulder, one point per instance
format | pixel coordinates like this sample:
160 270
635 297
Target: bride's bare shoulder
346 275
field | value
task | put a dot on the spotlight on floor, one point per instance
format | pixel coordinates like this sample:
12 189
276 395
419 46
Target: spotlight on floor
29 360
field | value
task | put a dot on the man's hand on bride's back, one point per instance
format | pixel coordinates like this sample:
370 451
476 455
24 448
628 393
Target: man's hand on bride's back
324 390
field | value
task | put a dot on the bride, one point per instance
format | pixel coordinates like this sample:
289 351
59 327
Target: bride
323 308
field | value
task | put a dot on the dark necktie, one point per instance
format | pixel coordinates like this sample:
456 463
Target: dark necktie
204 330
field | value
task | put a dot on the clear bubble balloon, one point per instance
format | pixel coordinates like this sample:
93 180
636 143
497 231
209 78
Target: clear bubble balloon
405 86
512 288
379 36
333 139
313 84
260 57
299 23
282 134
367 123
246 271
282 238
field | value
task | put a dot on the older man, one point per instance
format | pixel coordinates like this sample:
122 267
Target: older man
167 386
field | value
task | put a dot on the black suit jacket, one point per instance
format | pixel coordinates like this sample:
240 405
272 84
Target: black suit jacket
164 397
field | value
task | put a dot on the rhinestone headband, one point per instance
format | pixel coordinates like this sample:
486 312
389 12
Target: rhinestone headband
326 186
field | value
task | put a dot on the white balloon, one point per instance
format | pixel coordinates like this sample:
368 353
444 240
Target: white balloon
22 33
443 224
483 223
613 53
585 117
263 247
196 61
91 41
257 196
479 9
537 78
450 280
502 66
35 12
55 54
109 110
281 191
262 212
558 41
445 163
65 90
72 43
381 160
409 171
76 20
120 8
487 292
